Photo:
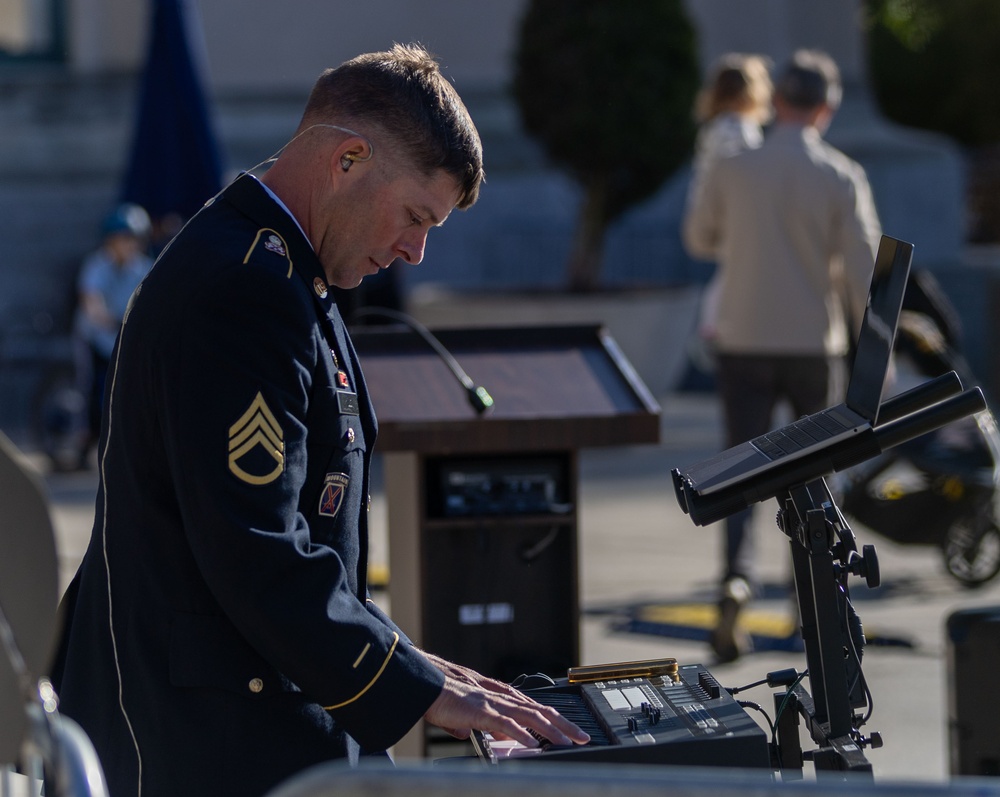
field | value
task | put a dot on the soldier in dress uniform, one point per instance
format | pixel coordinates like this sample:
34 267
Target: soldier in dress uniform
218 635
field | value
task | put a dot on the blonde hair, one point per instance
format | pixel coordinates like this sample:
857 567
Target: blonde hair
739 83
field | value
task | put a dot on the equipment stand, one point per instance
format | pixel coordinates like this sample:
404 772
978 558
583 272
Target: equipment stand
824 553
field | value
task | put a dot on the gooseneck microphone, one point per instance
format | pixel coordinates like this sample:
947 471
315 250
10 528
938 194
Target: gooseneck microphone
479 398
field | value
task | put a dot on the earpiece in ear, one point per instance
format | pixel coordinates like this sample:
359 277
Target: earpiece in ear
345 162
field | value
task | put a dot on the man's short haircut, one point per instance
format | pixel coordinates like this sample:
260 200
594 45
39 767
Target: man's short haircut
403 94
810 79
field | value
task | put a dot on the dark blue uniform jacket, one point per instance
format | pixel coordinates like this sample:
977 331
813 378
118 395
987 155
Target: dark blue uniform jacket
219 636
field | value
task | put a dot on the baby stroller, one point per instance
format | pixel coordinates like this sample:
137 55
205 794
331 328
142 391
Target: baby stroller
939 489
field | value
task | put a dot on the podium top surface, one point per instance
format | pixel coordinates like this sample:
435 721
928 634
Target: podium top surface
554 388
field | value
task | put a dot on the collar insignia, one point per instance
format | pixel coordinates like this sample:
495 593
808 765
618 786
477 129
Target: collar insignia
320 287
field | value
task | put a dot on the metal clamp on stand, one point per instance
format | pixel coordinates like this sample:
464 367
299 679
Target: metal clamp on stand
824 553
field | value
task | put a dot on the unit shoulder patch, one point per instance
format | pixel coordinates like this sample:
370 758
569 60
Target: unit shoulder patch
332 497
257 445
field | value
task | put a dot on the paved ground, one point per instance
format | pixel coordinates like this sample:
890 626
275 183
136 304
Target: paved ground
636 546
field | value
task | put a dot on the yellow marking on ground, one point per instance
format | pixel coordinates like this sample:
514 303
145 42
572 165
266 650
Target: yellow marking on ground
704 615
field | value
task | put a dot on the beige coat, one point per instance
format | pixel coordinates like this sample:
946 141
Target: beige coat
793 228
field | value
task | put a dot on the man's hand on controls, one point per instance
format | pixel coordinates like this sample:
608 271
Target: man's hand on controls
473 701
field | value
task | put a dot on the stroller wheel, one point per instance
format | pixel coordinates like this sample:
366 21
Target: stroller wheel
972 549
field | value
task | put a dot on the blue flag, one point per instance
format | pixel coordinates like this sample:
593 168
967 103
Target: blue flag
174 164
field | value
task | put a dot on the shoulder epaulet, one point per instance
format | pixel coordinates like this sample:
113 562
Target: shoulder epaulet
271 241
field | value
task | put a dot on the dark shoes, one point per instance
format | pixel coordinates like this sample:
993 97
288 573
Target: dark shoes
727 639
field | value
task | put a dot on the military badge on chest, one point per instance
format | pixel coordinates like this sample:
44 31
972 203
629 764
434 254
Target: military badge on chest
347 399
332 496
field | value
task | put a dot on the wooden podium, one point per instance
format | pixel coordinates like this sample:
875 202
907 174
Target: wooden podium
482 510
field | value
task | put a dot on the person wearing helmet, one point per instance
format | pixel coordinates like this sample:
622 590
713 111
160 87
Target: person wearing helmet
107 279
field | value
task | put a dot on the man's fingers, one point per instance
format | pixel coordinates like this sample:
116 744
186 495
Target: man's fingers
560 730
507 728
506 713
549 724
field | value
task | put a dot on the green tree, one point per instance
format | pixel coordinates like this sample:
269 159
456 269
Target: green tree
607 89
935 64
